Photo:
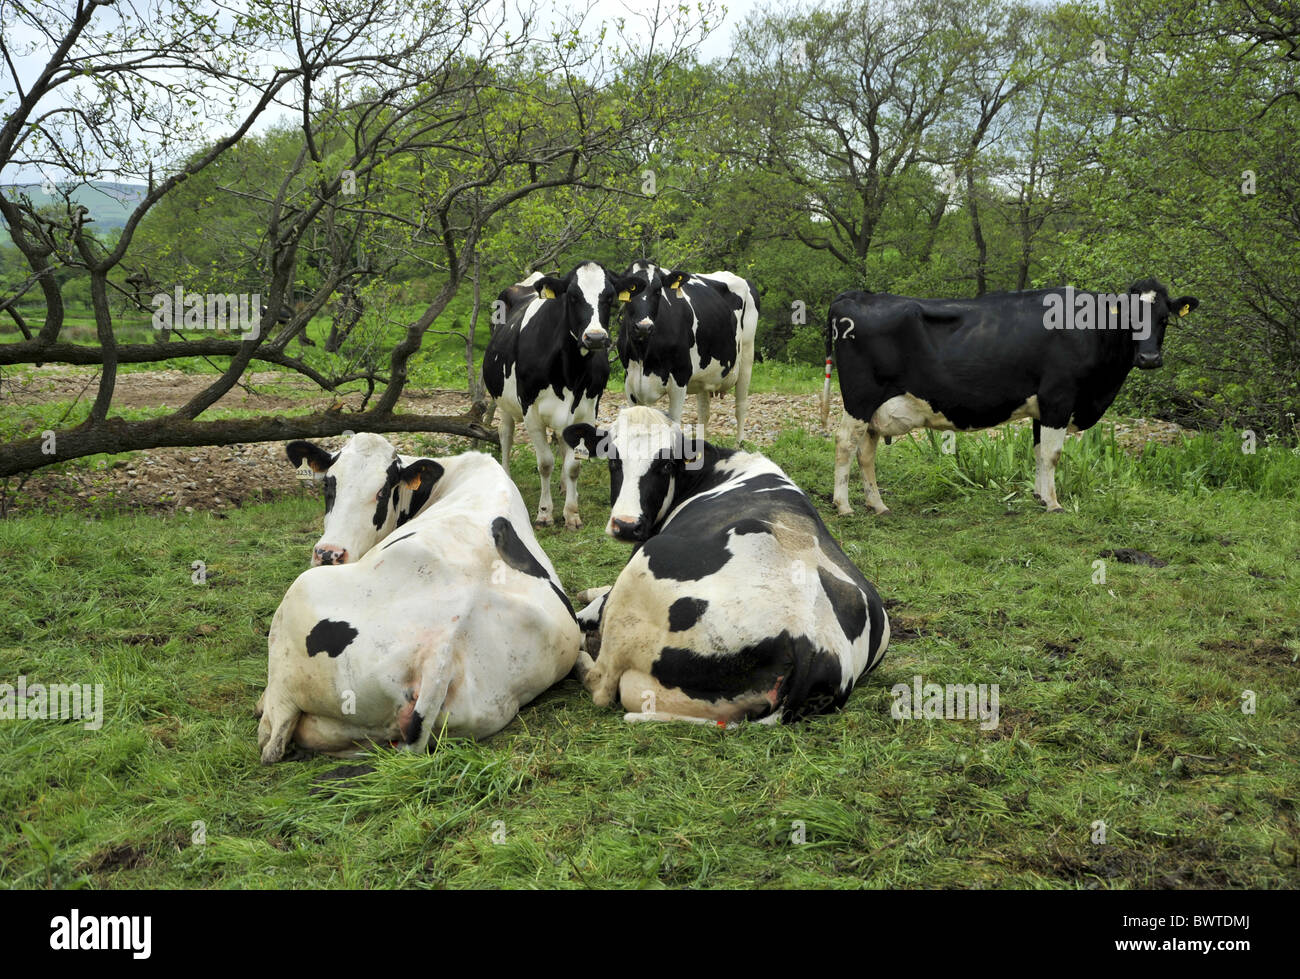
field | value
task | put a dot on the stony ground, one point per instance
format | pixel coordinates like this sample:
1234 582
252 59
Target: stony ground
218 478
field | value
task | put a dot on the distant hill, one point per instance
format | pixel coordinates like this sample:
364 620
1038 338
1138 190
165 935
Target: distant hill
110 203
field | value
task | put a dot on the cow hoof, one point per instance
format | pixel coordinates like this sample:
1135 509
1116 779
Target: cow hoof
543 521
844 511
1056 509
884 513
572 523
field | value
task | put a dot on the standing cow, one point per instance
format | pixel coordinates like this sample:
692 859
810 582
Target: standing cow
737 604
686 333
1053 355
454 621
547 366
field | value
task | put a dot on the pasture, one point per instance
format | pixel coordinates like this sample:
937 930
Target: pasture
1120 701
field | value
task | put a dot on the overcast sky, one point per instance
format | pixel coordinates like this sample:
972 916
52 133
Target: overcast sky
716 45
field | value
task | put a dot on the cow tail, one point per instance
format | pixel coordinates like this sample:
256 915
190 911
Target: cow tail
830 354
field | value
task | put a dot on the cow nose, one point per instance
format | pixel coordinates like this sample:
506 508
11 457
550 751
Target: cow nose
595 339
1147 361
626 528
643 327
329 555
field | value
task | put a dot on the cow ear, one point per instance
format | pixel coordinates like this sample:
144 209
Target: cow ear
691 451
422 473
548 286
628 286
589 435
1185 305
676 279
319 459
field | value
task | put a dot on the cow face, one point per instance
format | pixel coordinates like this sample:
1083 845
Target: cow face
1156 314
369 492
642 307
587 294
647 458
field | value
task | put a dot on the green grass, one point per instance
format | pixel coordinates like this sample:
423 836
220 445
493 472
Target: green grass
1119 701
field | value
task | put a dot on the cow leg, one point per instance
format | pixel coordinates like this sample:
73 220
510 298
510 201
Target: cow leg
742 388
507 436
490 412
676 401
639 691
867 463
275 729
702 408
434 682
847 439
570 472
1047 454
545 465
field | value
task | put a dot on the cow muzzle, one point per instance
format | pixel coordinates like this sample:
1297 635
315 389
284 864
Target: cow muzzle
595 339
642 328
626 528
328 555
1148 361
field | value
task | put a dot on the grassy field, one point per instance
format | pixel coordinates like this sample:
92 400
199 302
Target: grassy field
1120 703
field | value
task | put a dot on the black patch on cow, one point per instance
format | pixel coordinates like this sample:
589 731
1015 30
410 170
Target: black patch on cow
685 612
381 506
413 731
331 488
328 636
513 551
750 526
419 497
810 676
516 555
848 602
396 540
686 559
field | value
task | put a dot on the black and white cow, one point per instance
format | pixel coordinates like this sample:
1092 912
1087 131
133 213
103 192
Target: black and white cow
686 333
547 366
453 622
737 603
1053 355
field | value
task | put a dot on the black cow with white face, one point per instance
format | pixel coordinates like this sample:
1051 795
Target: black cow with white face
687 333
1053 355
737 603
548 364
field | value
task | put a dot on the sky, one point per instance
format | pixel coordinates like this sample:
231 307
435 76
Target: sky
715 46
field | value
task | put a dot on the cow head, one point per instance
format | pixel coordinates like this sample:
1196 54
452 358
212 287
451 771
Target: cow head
648 457
642 307
587 294
1147 342
369 492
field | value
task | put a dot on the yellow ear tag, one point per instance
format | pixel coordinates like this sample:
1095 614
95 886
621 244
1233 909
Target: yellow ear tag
625 295
1185 310
548 292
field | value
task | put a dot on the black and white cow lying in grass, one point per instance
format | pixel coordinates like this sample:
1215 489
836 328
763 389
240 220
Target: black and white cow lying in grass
454 621
737 603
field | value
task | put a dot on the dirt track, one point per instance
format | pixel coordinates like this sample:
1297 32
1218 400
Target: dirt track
218 478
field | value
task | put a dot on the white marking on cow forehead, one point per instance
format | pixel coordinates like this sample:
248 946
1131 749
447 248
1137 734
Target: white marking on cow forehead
647 269
369 445
1148 297
591 282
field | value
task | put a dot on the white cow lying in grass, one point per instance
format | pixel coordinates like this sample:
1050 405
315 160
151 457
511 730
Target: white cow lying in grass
455 620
